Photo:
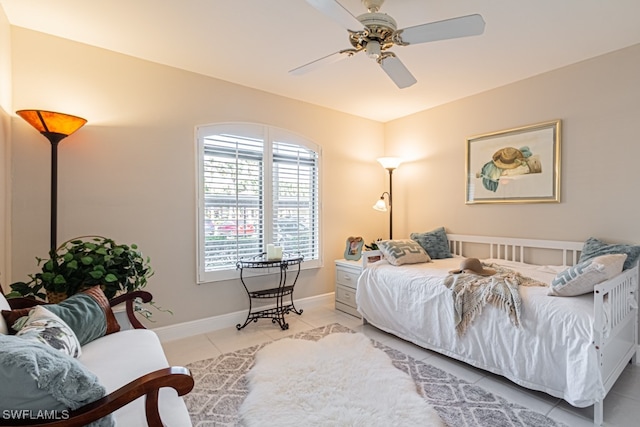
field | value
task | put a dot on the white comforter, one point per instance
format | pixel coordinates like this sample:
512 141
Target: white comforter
551 351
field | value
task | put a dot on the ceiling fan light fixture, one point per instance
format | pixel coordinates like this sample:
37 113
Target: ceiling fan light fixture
373 49
375 33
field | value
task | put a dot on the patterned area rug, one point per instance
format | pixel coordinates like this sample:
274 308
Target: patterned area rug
220 388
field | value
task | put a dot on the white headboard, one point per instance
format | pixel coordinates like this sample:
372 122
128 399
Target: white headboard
531 251
515 249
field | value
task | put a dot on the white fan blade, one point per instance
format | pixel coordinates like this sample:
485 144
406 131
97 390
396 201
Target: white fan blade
329 59
395 69
338 13
470 25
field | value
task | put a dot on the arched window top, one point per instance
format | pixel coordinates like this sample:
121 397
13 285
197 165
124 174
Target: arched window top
257 185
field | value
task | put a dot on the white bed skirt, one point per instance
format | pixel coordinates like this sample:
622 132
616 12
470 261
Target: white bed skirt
551 351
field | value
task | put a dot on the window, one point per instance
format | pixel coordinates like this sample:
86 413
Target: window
257 185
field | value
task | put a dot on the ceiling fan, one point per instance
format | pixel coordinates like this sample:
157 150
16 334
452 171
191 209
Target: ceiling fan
375 33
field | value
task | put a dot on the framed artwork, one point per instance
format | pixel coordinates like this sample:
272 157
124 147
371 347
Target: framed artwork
520 165
353 251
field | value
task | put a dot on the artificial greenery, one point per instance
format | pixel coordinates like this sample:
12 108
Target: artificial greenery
84 262
373 246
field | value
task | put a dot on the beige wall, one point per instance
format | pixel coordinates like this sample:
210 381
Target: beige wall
599 103
5 150
130 172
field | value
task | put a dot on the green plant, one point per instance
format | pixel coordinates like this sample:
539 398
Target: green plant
87 261
373 246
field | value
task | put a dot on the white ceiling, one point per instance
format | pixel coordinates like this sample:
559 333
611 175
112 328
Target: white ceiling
255 42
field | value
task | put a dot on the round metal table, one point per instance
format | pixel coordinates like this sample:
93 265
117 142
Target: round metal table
276 314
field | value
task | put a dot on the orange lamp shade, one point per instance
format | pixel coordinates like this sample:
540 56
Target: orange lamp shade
52 122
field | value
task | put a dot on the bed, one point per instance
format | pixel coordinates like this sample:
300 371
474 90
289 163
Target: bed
573 348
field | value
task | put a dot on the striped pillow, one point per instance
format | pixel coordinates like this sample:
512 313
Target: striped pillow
583 277
398 252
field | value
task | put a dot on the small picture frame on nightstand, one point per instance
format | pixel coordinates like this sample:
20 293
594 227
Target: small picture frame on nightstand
353 250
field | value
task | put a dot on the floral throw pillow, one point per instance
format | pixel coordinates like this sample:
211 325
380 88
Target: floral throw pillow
43 326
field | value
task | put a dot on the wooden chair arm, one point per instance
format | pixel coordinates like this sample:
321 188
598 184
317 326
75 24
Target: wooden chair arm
23 302
128 299
148 385
130 296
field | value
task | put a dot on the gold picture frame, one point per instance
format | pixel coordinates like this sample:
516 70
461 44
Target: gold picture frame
520 165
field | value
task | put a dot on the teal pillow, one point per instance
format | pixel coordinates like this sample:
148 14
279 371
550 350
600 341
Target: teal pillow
594 247
435 242
37 377
83 315
88 314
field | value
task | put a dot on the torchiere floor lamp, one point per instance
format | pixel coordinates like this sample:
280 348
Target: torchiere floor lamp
390 164
55 127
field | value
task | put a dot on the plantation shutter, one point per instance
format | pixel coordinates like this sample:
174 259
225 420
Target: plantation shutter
233 208
257 185
295 201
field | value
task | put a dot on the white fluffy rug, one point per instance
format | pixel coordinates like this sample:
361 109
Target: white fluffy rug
340 380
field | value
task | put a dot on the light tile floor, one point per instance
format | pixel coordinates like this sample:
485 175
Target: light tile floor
621 408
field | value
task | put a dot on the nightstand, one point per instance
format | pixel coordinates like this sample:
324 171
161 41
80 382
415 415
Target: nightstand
347 273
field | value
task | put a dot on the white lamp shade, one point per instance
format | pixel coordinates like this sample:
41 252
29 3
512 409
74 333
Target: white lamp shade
380 206
390 162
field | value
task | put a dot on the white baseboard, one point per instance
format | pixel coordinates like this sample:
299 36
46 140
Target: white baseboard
203 326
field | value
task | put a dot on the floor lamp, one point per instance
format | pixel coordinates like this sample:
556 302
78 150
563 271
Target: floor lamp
55 127
390 164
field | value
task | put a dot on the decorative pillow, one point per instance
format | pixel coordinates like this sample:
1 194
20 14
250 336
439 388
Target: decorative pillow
12 316
37 377
399 252
594 247
435 242
87 313
583 277
43 326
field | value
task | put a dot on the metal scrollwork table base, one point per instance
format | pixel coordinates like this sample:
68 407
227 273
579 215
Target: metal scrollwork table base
276 314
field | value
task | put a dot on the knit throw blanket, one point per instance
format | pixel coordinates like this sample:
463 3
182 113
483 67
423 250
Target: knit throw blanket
472 292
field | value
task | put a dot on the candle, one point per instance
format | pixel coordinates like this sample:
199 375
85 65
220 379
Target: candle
274 252
277 252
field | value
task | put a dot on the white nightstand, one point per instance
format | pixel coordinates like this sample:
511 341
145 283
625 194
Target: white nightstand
347 273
